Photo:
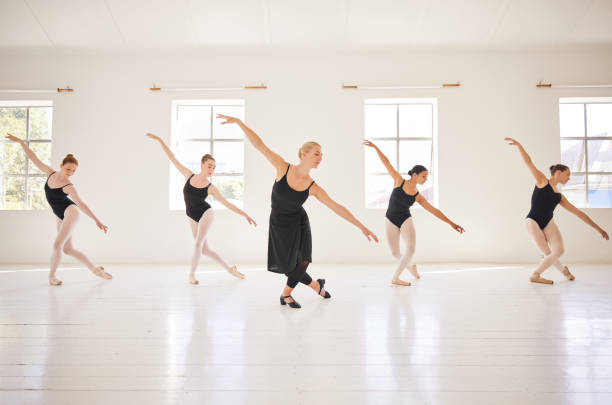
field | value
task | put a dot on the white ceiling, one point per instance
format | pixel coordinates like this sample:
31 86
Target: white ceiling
332 24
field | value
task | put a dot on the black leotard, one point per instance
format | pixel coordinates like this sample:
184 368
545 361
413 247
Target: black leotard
195 200
289 238
399 205
543 203
57 199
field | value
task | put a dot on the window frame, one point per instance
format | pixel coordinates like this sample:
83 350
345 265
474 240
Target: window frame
175 140
433 170
584 101
26 104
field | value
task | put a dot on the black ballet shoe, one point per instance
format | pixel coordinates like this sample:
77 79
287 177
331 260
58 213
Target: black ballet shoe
321 282
292 304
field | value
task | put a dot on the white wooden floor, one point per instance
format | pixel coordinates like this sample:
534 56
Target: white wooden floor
463 334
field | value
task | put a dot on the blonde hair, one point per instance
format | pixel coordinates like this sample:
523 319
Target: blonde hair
206 157
306 147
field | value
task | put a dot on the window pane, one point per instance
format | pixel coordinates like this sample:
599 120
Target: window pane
600 156
190 153
231 188
571 119
377 191
415 120
600 191
380 121
13 120
574 190
36 193
13 158
229 157
414 153
13 193
227 131
572 155
193 121
599 119
40 122
373 163
43 151
427 189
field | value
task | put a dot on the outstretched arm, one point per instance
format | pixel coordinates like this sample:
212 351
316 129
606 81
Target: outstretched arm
539 177
397 178
184 171
275 159
214 191
425 204
340 210
583 216
71 191
30 153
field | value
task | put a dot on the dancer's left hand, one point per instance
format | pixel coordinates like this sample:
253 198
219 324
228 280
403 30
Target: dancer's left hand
604 234
458 228
250 220
369 234
102 226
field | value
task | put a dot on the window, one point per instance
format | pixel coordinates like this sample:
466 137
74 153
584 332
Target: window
586 148
21 182
405 131
196 132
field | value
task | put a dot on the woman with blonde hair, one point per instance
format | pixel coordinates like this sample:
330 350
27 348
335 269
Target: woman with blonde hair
289 239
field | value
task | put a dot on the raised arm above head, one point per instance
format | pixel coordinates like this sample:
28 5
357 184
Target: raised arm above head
397 178
539 177
31 155
275 159
184 170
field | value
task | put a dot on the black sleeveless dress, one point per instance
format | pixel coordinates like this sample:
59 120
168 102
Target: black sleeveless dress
57 199
195 200
543 203
399 205
289 238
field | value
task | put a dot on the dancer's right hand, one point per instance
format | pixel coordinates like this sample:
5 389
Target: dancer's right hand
369 143
369 234
228 119
13 138
153 136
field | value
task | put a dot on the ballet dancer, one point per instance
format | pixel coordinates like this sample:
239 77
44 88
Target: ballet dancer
199 212
289 239
58 189
398 218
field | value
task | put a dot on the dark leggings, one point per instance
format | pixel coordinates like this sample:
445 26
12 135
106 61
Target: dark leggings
299 275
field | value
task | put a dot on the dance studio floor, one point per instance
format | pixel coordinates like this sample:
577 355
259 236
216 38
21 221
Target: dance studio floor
463 334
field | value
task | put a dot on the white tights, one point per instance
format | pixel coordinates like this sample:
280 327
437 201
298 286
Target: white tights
408 234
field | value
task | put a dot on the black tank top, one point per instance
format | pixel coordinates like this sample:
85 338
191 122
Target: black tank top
400 201
285 200
543 203
57 199
195 197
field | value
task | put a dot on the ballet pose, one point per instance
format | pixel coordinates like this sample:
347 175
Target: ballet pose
398 218
200 214
57 190
539 222
289 240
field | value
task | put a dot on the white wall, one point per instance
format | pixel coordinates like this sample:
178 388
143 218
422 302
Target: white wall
483 184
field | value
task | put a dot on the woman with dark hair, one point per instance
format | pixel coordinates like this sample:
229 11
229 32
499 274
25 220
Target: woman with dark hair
200 214
539 221
58 189
398 217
